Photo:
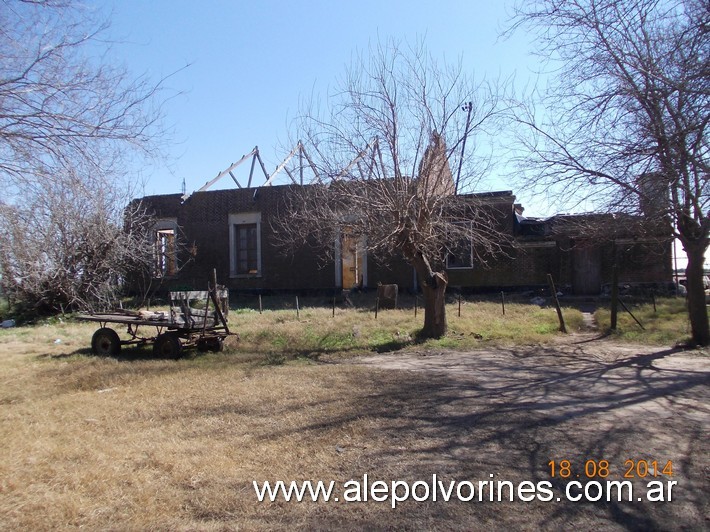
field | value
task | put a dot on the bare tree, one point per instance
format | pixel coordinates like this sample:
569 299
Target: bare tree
63 104
69 119
624 121
66 248
383 156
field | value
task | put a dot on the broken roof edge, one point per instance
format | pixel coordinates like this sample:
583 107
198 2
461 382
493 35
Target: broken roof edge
178 196
494 194
495 197
255 156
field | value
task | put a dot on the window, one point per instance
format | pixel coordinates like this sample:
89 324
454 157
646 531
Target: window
245 244
461 252
461 256
246 249
165 249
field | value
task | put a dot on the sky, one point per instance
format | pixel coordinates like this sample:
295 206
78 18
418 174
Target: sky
239 71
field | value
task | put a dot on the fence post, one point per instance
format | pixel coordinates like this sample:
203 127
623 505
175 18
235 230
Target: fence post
631 314
297 309
614 297
557 303
502 301
377 306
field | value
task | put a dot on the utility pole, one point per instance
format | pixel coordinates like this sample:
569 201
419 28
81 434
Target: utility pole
468 106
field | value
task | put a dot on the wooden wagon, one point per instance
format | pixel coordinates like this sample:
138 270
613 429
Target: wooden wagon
195 319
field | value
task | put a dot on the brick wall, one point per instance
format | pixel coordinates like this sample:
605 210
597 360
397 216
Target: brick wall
204 219
203 222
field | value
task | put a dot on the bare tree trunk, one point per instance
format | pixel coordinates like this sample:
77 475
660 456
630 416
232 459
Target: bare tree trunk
434 289
435 325
697 309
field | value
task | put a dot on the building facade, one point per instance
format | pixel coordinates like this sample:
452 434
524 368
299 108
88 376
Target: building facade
231 231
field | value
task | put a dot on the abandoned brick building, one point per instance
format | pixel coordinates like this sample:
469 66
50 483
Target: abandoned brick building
230 230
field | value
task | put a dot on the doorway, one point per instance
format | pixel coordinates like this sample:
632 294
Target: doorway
352 262
586 274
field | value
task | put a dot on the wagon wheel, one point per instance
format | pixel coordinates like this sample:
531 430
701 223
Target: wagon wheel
167 345
105 342
202 345
210 344
215 344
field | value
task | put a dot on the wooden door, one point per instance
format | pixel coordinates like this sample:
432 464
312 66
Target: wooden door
352 261
587 271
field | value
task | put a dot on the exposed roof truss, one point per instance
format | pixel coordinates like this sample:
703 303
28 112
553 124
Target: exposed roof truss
367 166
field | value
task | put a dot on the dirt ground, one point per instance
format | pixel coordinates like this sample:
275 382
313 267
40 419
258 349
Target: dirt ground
509 412
151 444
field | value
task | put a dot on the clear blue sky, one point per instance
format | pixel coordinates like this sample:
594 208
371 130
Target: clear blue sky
250 63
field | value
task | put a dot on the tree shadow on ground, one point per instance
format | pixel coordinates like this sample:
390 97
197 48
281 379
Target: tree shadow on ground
504 412
509 413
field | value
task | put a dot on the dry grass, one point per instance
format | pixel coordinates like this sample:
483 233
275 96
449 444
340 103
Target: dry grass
140 443
102 443
316 331
666 324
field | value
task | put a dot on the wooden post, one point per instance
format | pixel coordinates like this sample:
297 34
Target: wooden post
260 308
502 301
207 306
297 309
631 314
334 306
459 305
415 305
614 297
377 306
653 300
213 293
557 303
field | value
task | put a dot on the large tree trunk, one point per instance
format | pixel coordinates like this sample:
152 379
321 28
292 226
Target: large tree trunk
697 309
434 289
435 307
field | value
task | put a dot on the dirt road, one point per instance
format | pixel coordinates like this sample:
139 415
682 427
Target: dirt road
511 412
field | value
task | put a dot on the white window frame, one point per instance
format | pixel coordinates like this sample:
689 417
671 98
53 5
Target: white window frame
243 218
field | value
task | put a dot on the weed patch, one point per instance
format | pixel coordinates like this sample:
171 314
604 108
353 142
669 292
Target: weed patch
357 330
666 324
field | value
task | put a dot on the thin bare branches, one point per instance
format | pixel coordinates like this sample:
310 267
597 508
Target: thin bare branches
625 122
69 122
62 248
59 103
388 142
